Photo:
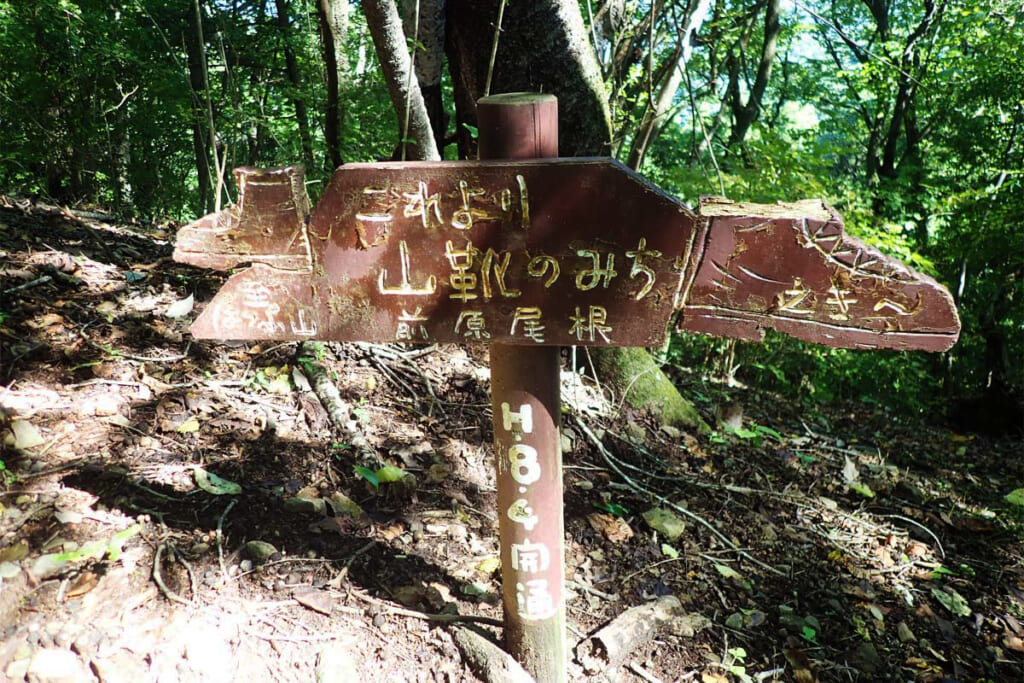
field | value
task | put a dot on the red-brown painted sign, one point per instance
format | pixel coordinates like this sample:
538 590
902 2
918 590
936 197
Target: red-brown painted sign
550 252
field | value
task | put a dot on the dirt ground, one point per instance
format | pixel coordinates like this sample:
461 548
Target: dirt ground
174 509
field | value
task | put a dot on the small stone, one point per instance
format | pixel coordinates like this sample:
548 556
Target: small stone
17 670
105 406
335 664
57 666
260 551
343 506
665 522
379 620
305 506
85 643
636 432
15 553
671 432
565 442
904 633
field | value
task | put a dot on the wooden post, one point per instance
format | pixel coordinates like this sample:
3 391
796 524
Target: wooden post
528 458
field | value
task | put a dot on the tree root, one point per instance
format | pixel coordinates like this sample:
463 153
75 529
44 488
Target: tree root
487 660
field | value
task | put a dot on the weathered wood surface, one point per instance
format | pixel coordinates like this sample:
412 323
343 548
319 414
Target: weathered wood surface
791 268
553 252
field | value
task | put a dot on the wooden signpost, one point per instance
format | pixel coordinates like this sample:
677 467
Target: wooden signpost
529 254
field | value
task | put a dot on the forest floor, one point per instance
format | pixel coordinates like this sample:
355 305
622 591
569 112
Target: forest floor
832 543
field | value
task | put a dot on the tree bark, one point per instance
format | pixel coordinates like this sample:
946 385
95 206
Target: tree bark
416 142
333 18
429 30
543 47
292 68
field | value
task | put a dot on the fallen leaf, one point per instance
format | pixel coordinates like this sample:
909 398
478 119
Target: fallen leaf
211 483
1014 643
665 522
315 599
25 435
728 572
15 553
489 565
85 582
952 601
613 528
390 473
1015 497
189 426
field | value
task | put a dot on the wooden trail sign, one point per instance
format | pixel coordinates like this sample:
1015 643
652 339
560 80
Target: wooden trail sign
529 255
544 252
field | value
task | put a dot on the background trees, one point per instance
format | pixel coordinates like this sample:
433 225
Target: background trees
905 114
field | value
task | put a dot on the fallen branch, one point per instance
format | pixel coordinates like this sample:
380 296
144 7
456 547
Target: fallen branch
42 280
338 411
322 385
487 660
630 630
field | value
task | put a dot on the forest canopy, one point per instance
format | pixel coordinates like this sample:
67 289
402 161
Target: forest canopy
905 115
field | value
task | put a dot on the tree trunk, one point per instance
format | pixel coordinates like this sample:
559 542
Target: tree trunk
415 131
428 27
333 19
292 68
746 113
197 81
544 48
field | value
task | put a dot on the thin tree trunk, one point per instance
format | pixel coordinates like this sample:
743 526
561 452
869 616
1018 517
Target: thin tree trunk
292 68
746 113
333 18
656 114
197 84
389 41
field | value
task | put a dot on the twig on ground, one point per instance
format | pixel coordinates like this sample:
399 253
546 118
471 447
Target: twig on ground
128 356
42 280
427 616
923 528
632 629
643 673
220 539
159 579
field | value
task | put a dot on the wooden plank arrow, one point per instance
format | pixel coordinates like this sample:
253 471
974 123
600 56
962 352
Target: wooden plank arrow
551 252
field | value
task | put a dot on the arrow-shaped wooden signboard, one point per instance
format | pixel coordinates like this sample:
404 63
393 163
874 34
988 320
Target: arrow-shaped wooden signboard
530 255
554 252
